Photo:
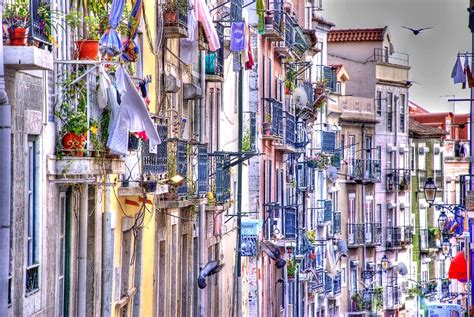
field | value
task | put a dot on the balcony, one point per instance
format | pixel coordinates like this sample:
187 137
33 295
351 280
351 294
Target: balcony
456 150
274 22
35 53
249 142
336 222
175 19
301 138
428 241
364 170
290 222
306 111
283 47
464 184
391 66
81 142
394 237
383 55
445 292
398 180
304 178
355 233
301 45
287 144
392 298
408 233
373 233
219 178
328 284
429 288
369 299
215 66
337 284
272 119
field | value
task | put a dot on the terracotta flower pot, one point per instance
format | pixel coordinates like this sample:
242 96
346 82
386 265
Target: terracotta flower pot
170 18
73 144
88 49
287 91
18 36
267 128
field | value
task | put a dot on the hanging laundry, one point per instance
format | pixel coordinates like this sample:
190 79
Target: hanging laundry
261 16
110 43
244 57
210 67
237 36
250 63
130 48
104 85
457 73
204 16
468 73
132 117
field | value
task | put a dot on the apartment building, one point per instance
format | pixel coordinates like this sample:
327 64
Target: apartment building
379 73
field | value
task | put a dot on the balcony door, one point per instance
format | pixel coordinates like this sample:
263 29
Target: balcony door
352 217
351 154
369 218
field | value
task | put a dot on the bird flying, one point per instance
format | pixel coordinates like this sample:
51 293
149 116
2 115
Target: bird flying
274 253
416 31
209 269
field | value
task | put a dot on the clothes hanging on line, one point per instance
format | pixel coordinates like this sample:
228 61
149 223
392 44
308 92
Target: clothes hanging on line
457 73
204 16
237 36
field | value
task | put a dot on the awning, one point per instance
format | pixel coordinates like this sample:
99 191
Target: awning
458 268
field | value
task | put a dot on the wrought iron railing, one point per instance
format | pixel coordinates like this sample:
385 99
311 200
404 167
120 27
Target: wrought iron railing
273 116
398 179
301 135
155 161
373 233
445 288
290 129
304 178
182 165
428 240
392 297
215 60
300 45
32 279
289 31
249 143
408 232
394 237
40 21
290 222
355 233
203 176
309 89
219 176
366 170
278 15
464 187
429 288
328 284
384 55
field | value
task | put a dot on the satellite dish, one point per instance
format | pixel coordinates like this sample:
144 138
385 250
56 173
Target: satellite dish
331 174
402 269
300 97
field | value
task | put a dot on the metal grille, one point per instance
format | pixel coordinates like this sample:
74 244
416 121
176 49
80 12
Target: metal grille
39 22
32 279
290 223
290 129
202 169
156 161
328 141
236 10
289 31
182 165
222 178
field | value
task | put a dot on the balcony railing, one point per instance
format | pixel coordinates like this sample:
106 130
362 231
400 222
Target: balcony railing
290 222
250 133
273 118
428 240
386 56
301 135
445 288
429 288
394 237
155 161
328 284
355 233
366 299
373 233
365 170
408 232
392 297
289 31
464 185
32 279
300 45
289 131
39 16
219 176
337 284
304 178
398 179
309 89
203 175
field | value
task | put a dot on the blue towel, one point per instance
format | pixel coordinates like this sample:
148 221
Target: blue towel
237 36
458 73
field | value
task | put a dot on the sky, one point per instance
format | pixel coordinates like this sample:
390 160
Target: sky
432 52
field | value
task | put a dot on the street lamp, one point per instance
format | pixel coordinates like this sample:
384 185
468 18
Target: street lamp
446 247
442 219
385 262
430 191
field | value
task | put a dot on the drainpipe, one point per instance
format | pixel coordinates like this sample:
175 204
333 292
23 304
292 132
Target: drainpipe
364 247
202 207
239 195
82 260
107 254
5 184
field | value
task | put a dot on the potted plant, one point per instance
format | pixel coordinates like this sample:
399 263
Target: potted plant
290 269
318 161
16 18
87 46
290 81
173 8
267 124
74 133
358 301
149 184
311 234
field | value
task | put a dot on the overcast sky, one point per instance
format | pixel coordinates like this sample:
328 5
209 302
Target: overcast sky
432 52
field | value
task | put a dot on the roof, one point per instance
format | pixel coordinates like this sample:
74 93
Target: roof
420 130
321 20
341 72
357 35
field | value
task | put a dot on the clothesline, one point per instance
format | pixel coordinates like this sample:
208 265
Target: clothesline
469 54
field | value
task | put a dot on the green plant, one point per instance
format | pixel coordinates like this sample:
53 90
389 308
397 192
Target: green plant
290 269
290 79
246 144
311 234
358 300
377 299
17 14
179 6
435 232
268 117
414 291
76 123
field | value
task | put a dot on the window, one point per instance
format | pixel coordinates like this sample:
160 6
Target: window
389 112
32 238
351 154
402 113
378 213
338 87
379 103
354 278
